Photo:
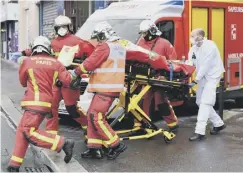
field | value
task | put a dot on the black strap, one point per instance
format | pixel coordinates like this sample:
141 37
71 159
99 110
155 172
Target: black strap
154 43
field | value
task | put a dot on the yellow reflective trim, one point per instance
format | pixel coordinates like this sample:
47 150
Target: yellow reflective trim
137 125
172 124
17 159
81 110
36 88
84 127
111 140
52 132
40 137
54 146
35 103
83 69
95 141
55 77
103 127
241 86
56 53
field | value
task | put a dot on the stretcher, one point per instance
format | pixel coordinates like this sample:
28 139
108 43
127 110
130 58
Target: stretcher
175 80
137 75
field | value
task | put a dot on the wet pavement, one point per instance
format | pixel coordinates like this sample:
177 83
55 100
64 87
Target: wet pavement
31 163
217 153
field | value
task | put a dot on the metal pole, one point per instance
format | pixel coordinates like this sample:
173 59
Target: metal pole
90 7
7 54
221 98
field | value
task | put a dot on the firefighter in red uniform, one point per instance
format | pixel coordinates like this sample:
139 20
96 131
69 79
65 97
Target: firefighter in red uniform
107 64
38 73
70 96
152 41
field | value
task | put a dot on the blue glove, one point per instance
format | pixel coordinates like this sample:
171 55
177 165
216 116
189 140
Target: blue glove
74 75
192 84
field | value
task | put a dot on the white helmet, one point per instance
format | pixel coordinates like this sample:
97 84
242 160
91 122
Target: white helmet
149 26
63 21
41 44
104 31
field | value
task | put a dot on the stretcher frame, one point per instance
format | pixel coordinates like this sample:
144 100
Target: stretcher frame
130 104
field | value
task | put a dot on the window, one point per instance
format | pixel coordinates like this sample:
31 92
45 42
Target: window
126 29
167 29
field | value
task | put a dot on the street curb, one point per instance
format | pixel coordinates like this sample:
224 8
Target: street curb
45 156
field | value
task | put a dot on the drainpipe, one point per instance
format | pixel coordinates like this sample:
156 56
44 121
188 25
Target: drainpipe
90 7
41 17
6 25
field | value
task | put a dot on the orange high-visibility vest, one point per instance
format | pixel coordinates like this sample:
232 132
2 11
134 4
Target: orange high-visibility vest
111 74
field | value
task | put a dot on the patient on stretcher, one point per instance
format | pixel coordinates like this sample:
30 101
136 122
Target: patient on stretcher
160 66
137 56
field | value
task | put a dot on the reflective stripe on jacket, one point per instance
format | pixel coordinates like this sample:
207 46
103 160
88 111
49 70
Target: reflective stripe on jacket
110 76
39 73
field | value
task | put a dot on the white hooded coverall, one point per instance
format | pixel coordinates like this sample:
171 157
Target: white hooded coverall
209 68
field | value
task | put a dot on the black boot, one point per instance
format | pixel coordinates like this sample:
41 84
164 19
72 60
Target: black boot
174 129
68 150
12 169
116 151
93 153
196 137
216 130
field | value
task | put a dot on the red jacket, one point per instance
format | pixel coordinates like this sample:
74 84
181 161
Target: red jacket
161 46
72 40
85 47
101 54
38 73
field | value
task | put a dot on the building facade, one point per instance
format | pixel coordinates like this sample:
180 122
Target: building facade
49 10
28 23
37 17
9 28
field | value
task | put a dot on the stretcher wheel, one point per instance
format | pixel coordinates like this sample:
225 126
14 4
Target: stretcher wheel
167 141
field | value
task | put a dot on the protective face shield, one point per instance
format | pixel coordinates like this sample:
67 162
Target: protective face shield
103 31
149 30
41 44
63 25
193 41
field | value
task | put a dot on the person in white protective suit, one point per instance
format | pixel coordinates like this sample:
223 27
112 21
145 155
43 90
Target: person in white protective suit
209 67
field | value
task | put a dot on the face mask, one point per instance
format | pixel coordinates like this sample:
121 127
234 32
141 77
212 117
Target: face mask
193 41
62 31
149 37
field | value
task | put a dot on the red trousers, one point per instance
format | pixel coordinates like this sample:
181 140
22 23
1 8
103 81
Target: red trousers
99 131
28 132
71 98
171 118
